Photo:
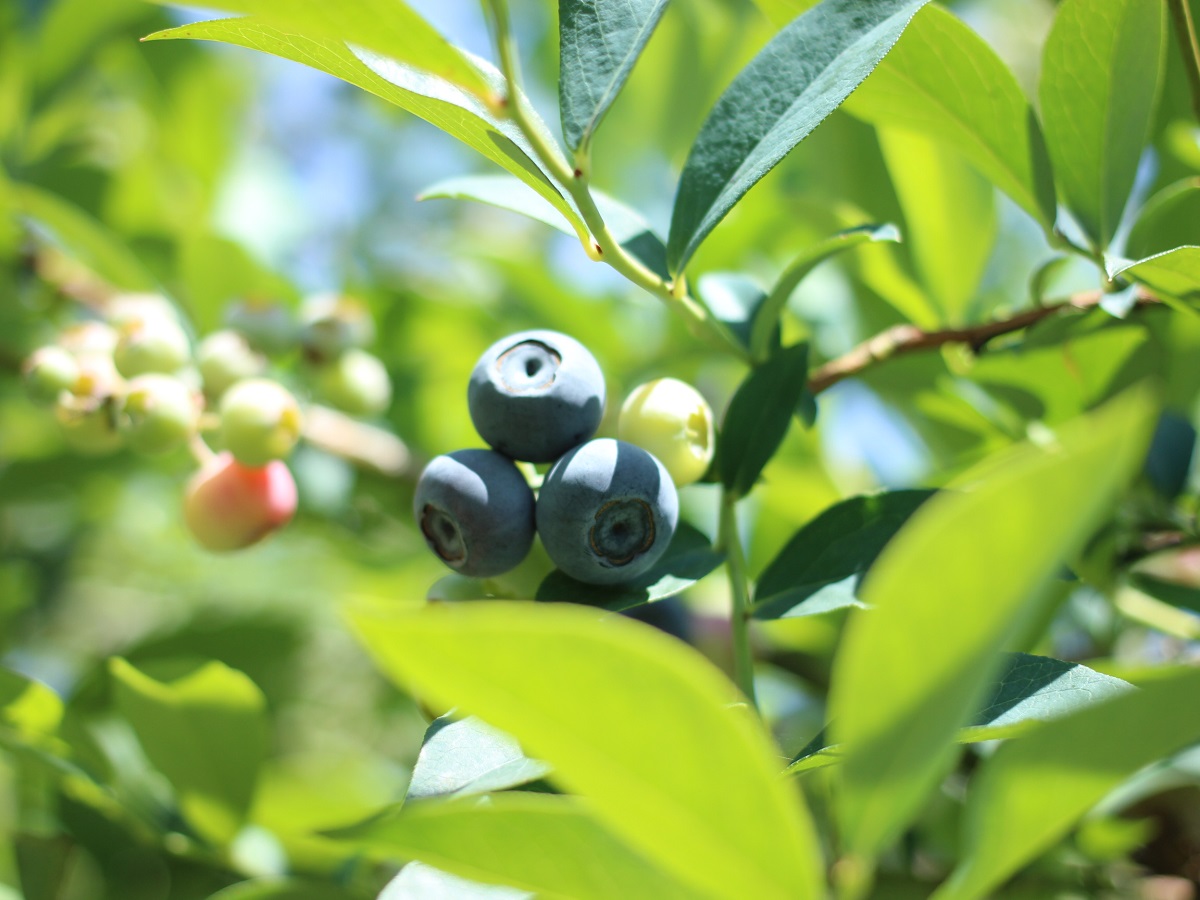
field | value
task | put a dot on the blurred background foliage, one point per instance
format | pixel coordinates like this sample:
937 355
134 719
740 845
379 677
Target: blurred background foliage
223 176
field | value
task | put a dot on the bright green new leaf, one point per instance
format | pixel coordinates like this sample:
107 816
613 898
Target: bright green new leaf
689 558
548 844
1032 791
1100 74
1170 219
758 417
418 881
1029 690
600 40
466 756
949 215
1174 274
822 566
456 112
282 889
780 12
785 92
388 27
84 238
767 312
28 708
207 732
945 82
964 577
689 779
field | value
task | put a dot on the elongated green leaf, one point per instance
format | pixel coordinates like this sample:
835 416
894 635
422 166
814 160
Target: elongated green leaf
1174 274
28 708
548 844
418 881
388 27
600 41
1100 75
689 780
83 238
467 756
949 215
944 81
797 80
206 732
780 12
758 417
831 554
970 567
1029 690
767 312
505 192
456 112
1170 219
282 889
1032 791
688 559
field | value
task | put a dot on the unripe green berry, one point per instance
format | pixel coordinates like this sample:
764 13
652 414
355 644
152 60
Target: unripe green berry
268 325
48 372
260 421
88 339
160 414
90 423
355 382
671 420
151 344
225 358
228 506
331 324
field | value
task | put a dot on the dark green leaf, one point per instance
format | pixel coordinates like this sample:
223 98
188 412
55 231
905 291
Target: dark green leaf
467 756
548 844
1100 74
767 312
944 81
1032 791
821 567
1170 458
758 417
971 567
1185 596
600 41
207 732
735 300
418 881
688 559
1170 219
788 89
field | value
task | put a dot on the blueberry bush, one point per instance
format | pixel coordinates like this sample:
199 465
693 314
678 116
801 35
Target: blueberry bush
773 478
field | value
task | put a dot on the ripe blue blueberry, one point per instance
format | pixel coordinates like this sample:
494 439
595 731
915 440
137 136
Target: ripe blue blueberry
476 512
607 511
535 395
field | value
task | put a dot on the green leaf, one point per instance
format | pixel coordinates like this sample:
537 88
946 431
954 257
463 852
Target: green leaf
1174 274
456 112
207 732
547 844
282 889
1170 219
689 558
767 311
821 567
388 27
29 709
418 881
780 12
600 41
84 238
505 192
949 215
689 778
1032 791
1100 73
945 82
970 567
1029 690
467 756
735 300
758 417
785 92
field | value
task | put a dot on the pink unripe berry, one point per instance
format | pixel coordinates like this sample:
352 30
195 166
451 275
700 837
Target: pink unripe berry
228 506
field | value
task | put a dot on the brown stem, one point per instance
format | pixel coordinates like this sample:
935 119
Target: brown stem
359 442
1185 30
900 340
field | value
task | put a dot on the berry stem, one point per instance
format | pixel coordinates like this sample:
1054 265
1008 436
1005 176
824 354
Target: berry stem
730 543
602 245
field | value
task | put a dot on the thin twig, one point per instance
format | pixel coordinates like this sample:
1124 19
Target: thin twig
730 542
900 340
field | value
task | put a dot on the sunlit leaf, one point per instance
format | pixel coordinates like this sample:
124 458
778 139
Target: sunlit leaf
1170 219
418 881
1175 273
466 756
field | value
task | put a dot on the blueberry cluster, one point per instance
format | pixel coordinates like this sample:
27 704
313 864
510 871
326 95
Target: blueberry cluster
606 510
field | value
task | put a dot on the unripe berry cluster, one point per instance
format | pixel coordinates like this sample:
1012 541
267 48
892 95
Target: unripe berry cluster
606 509
133 379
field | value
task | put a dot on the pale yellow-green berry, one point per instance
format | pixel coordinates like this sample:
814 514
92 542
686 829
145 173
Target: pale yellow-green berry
160 413
671 420
260 421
